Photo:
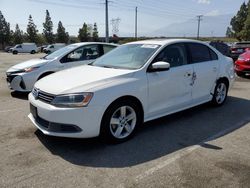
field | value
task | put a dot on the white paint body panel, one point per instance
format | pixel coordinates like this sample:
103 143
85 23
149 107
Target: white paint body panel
160 93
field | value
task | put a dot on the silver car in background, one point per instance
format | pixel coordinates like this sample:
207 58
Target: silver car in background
22 77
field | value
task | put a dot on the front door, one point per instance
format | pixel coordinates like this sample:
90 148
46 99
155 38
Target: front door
81 56
170 90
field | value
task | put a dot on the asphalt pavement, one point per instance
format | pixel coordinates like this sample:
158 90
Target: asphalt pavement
200 147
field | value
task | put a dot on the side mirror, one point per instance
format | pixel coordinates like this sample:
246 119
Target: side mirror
159 66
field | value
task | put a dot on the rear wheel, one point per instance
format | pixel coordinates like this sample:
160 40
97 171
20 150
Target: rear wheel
33 52
121 121
220 93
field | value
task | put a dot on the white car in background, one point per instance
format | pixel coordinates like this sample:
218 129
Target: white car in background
22 77
132 84
24 48
53 47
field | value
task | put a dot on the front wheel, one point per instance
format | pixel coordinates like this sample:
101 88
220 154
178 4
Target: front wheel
120 121
220 93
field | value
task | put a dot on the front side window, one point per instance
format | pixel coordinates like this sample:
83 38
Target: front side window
174 54
61 51
199 53
130 56
80 54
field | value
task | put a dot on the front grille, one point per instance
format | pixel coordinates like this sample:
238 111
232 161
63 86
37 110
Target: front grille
10 78
42 96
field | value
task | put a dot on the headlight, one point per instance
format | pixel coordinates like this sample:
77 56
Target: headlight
72 100
30 69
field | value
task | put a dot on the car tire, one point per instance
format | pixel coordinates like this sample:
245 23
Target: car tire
120 121
240 74
33 52
220 93
15 52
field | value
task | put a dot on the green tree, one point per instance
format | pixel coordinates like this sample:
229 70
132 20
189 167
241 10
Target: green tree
238 21
229 33
62 35
48 28
17 35
40 39
84 34
95 35
245 33
5 33
31 31
73 39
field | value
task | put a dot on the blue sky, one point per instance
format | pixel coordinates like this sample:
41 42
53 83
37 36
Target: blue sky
152 15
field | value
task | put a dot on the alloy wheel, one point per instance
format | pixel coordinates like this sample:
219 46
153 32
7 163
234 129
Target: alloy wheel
221 93
123 122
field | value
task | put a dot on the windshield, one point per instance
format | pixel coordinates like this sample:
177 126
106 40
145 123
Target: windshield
59 52
131 56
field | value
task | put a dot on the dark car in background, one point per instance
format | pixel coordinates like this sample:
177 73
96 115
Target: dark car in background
8 48
221 47
242 65
239 48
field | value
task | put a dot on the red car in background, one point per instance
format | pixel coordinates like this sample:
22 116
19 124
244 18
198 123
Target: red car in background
242 64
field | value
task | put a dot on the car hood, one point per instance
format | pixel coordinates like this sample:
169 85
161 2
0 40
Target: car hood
27 64
81 79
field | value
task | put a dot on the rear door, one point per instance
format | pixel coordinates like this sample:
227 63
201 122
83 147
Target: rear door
206 68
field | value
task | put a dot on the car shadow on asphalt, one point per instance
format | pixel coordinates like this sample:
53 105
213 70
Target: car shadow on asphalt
19 95
156 138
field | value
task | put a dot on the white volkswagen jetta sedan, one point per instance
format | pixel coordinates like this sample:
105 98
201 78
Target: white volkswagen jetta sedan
132 84
22 77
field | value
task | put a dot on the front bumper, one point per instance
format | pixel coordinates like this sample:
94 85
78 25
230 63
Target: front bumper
86 120
22 82
16 82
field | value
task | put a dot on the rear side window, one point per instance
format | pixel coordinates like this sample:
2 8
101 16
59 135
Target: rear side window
213 55
107 48
199 53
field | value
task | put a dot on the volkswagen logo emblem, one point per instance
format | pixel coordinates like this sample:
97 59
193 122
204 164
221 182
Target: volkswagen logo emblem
36 93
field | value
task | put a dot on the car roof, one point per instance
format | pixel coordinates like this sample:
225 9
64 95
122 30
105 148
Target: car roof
164 41
86 43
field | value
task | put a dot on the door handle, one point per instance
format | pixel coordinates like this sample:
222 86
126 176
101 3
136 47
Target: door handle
214 69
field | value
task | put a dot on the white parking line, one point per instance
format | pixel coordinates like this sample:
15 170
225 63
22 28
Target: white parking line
187 151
